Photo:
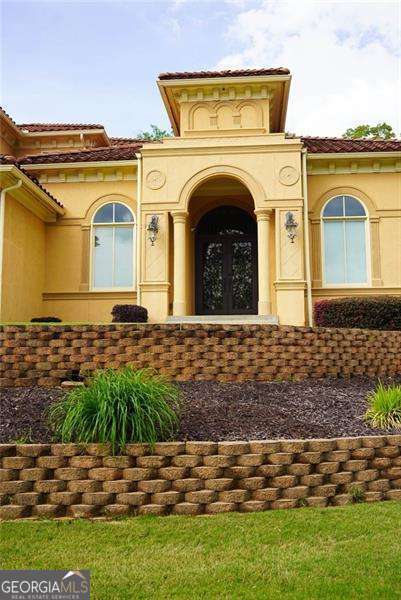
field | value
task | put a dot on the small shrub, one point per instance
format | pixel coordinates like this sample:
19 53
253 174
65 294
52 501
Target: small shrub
129 313
117 407
384 410
46 320
357 494
25 437
375 312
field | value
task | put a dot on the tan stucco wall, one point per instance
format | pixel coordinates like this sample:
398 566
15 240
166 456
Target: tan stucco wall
185 165
23 263
61 249
85 307
67 286
65 239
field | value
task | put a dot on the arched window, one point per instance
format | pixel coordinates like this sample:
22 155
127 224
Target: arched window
113 243
344 223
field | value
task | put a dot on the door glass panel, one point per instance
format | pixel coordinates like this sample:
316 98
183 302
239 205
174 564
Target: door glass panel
212 277
242 276
103 257
123 257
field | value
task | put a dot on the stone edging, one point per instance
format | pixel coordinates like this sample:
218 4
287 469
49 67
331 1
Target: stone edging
56 480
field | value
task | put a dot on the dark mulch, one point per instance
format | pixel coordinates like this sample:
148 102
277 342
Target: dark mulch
315 408
22 413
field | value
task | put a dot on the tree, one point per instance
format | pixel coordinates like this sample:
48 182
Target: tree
155 134
381 131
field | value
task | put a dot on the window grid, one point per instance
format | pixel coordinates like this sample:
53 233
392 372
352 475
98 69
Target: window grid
113 225
343 219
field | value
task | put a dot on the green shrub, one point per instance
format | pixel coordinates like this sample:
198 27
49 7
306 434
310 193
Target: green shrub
119 407
375 312
384 409
357 493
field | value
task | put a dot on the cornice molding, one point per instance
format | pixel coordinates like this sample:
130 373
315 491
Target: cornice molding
354 163
217 149
342 155
102 171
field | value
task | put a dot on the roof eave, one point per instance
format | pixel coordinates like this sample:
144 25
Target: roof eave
80 164
57 132
162 89
163 84
39 193
286 94
220 80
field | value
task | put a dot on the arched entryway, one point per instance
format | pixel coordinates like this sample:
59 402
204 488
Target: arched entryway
221 249
226 277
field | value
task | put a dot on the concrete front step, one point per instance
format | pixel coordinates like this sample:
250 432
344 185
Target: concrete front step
225 319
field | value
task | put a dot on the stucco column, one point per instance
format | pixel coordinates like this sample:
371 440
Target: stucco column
263 219
180 262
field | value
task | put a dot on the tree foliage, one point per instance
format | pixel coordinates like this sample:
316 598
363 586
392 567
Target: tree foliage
381 131
155 134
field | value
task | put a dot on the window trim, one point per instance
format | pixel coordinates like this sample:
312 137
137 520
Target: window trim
113 225
342 219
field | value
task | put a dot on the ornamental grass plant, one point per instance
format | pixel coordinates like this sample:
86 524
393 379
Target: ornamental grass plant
384 410
119 407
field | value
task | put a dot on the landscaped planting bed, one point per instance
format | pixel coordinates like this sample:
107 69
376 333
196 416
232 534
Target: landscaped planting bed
234 411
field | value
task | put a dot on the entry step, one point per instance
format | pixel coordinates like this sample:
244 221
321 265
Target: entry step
226 319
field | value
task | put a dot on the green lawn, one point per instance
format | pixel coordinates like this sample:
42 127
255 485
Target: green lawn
351 552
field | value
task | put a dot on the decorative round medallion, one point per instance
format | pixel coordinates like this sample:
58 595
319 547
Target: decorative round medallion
288 175
155 180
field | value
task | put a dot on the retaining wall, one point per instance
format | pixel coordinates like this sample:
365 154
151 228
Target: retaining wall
196 477
46 355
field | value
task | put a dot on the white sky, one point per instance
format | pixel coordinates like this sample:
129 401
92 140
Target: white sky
97 61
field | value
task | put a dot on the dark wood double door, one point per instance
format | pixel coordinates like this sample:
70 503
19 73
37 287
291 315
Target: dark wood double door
226 263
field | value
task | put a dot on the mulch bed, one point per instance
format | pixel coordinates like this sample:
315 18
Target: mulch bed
315 408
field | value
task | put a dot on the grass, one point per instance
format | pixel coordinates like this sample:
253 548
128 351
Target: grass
119 407
384 410
350 552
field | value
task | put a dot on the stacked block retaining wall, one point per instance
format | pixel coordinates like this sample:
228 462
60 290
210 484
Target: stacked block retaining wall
46 355
193 478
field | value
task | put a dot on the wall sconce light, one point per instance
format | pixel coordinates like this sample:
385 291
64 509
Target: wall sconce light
153 229
290 225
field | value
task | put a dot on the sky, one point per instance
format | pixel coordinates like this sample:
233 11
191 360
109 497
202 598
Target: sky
97 61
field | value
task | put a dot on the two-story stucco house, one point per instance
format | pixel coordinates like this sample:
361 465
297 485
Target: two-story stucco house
230 217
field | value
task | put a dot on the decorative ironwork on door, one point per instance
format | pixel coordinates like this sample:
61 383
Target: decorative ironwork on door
226 262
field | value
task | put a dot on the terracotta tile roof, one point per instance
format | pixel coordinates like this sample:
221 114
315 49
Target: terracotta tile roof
119 152
333 144
226 73
8 116
123 141
11 160
34 127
